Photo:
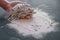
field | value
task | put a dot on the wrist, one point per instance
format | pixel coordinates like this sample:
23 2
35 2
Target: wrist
4 4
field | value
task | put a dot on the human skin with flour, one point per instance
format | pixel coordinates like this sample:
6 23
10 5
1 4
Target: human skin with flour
6 5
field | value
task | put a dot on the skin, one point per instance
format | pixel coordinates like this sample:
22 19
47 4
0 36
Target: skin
8 5
4 4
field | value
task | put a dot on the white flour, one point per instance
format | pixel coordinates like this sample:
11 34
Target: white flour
38 26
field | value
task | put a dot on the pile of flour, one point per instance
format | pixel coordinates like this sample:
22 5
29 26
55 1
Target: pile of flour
37 27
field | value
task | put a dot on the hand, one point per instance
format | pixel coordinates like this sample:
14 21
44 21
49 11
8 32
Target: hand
8 5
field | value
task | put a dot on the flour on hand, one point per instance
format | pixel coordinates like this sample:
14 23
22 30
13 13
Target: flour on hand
20 11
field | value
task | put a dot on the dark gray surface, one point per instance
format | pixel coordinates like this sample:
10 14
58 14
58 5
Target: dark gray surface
53 9
2 12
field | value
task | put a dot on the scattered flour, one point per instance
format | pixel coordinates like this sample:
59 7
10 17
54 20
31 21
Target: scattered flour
38 26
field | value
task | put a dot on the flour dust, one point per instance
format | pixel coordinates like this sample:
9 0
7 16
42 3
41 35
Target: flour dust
38 26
